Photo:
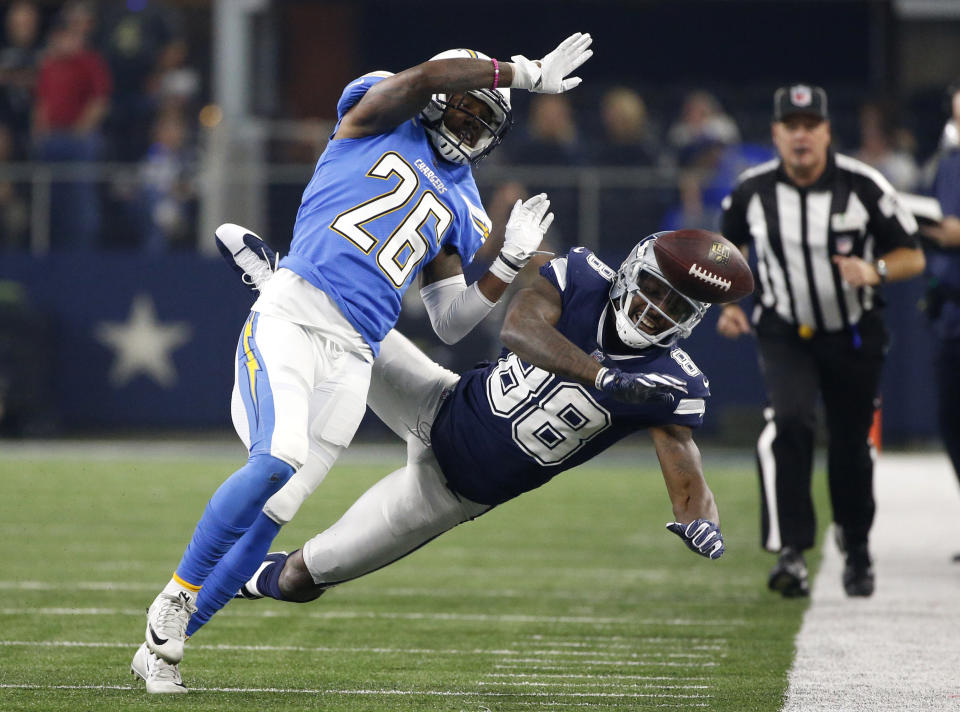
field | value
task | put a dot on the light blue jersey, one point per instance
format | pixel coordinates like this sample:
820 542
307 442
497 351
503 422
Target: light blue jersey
375 212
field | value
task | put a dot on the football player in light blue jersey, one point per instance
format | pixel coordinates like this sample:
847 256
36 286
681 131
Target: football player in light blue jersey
591 358
392 197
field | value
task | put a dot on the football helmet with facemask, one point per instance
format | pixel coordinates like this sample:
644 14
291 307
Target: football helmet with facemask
480 129
648 311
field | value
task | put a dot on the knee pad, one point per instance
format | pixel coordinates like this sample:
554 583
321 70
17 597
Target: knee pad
283 505
239 500
268 473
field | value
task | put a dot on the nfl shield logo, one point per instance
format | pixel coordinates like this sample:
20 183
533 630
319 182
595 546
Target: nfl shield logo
844 245
801 95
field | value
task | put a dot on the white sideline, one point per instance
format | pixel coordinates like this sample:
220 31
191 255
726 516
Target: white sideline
899 650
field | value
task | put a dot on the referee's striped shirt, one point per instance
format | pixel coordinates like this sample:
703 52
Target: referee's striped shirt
851 210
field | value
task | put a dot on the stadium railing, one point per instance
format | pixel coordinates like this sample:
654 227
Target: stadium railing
590 200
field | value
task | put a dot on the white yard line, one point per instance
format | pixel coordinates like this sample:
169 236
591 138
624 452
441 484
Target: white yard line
537 664
596 682
546 706
340 615
578 676
626 575
898 651
556 656
215 447
405 693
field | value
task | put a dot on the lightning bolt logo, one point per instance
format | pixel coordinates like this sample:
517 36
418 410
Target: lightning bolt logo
251 363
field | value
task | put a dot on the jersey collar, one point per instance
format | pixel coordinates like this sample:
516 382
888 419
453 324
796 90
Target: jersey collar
824 182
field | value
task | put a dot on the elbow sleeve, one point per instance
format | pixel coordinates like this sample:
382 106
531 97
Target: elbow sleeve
454 308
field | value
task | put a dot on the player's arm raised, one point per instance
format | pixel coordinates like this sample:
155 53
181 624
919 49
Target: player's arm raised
453 307
529 330
697 521
402 96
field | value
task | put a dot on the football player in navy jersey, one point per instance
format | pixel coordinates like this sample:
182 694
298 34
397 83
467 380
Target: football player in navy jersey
392 197
591 357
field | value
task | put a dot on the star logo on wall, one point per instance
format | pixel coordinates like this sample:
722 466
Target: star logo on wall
143 345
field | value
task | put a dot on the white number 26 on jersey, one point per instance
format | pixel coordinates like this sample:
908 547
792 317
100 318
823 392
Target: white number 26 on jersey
407 245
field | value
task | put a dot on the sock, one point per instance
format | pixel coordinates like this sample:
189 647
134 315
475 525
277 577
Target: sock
268 582
175 586
233 570
232 509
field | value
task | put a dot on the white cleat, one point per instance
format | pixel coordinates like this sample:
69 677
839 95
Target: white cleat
161 677
167 620
243 250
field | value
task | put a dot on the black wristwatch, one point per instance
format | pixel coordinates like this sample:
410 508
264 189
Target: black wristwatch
881 267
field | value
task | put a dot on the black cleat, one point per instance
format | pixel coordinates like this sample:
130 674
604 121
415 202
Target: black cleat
858 579
789 576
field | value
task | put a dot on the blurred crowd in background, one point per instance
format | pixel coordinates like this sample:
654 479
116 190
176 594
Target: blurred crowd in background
129 129
100 83
119 83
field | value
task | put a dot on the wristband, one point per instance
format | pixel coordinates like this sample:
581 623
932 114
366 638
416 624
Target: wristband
598 381
503 269
881 267
496 73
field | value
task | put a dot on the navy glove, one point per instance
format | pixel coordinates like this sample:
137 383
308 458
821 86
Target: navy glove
701 536
639 387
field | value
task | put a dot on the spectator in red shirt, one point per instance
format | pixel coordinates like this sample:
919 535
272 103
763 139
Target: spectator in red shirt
72 98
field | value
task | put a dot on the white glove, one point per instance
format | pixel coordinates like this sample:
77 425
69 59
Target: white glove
546 76
527 225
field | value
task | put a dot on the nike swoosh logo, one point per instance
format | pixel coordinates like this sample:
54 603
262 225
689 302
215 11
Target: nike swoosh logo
156 638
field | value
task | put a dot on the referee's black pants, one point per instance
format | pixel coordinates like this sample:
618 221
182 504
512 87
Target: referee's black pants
948 396
844 369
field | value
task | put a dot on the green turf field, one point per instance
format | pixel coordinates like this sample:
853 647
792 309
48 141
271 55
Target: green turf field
573 597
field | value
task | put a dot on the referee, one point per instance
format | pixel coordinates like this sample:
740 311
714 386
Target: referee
828 231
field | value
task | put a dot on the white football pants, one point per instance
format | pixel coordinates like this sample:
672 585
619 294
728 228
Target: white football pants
410 506
298 394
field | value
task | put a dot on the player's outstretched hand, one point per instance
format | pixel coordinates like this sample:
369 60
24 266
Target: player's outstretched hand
528 223
701 536
549 75
639 387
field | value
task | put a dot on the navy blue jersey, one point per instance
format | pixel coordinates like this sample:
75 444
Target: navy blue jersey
510 427
377 209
